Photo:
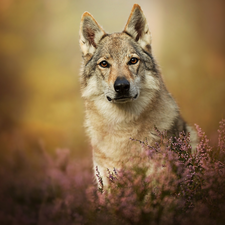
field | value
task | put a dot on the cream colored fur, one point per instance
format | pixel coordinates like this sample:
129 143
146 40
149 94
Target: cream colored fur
111 123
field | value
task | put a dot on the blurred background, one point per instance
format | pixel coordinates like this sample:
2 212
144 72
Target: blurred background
40 103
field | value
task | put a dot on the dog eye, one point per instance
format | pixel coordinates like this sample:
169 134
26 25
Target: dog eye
133 60
104 64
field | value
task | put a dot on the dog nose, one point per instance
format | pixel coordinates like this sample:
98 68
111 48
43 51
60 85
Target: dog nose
121 85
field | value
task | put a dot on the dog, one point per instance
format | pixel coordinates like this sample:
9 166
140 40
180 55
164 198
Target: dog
124 93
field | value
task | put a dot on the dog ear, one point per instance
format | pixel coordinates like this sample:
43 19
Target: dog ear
137 28
90 34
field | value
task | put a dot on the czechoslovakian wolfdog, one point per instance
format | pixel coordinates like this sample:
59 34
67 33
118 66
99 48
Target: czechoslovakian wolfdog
124 94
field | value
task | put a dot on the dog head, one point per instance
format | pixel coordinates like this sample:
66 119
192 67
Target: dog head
119 66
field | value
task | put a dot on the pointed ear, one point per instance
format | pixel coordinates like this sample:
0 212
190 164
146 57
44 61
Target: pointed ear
90 34
137 27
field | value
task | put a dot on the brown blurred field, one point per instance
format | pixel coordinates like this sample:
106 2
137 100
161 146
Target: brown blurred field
40 101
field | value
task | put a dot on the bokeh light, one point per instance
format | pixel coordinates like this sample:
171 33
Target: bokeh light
40 60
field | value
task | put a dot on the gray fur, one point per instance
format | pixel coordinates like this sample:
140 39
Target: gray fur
112 121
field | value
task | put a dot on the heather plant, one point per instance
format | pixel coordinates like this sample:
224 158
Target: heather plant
170 183
180 182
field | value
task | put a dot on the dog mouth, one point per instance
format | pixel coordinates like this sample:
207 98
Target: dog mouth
122 99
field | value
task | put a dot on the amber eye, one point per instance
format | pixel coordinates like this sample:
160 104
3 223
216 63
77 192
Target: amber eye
104 64
133 60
